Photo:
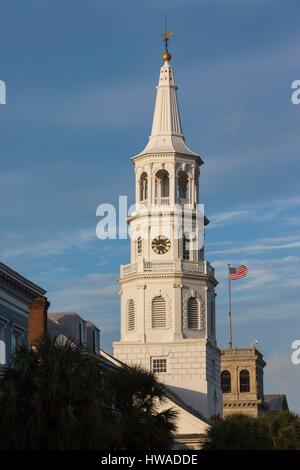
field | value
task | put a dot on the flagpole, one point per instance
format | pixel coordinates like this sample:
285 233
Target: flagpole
229 308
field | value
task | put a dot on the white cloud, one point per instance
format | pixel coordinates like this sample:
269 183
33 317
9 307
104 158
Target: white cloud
266 210
264 274
261 245
62 242
94 296
227 217
268 309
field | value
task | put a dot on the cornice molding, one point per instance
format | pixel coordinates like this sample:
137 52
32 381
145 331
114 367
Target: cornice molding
15 282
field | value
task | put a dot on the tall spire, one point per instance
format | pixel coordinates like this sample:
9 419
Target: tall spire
166 134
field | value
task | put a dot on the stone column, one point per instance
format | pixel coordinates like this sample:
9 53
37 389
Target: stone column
142 319
176 313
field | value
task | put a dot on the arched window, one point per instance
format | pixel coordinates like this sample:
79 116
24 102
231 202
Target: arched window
159 316
226 381
244 381
193 313
130 315
143 187
162 188
183 186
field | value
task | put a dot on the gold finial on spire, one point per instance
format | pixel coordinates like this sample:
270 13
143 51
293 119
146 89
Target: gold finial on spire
165 37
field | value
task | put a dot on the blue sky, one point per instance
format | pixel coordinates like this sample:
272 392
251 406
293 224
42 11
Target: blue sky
81 80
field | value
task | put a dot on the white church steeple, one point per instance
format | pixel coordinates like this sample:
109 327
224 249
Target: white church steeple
166 134
167 291
166 119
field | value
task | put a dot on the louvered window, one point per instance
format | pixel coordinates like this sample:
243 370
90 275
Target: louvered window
159 319
130 316
193 313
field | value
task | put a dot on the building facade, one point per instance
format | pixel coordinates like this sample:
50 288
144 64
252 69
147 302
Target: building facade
242 382
70 325
20 301
167 291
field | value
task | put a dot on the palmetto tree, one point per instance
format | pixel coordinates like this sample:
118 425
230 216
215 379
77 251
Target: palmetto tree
53 398
139 421
58 396
283 430
237 432
270 431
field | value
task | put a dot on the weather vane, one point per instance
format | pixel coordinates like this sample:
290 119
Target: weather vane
165 37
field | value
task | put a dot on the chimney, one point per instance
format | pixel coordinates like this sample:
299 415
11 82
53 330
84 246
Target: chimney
37 319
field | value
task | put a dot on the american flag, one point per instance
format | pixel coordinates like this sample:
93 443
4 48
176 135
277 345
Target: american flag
238 272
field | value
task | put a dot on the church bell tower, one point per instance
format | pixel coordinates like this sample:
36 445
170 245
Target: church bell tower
167 291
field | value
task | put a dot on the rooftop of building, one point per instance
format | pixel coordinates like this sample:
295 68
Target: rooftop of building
110 360
252 351
8 275
70 316
58 315
276 402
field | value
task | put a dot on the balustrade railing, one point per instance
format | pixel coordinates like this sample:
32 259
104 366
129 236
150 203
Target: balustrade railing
169 266
162 201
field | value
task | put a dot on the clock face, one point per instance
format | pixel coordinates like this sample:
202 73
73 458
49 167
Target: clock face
161 245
